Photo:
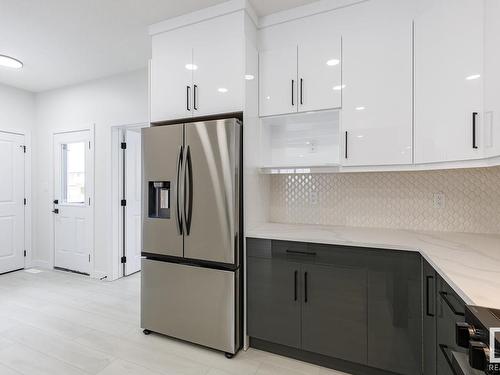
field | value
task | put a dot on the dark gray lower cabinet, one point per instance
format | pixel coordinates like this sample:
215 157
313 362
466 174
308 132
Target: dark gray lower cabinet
429 284
350 304
450 309
274 301
334 311
394 311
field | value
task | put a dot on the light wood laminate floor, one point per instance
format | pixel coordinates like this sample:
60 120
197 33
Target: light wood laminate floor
58 323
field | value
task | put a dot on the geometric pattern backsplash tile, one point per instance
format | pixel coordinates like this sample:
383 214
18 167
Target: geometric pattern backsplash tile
402 200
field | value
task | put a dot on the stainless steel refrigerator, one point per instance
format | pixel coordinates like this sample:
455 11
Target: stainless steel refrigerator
192 232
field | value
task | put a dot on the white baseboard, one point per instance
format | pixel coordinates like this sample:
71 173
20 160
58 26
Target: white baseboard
41 264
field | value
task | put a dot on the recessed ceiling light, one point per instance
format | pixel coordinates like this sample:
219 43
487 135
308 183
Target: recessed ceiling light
191 66
249 77
10 62
361 108
339 87
222 90
333 62
472 77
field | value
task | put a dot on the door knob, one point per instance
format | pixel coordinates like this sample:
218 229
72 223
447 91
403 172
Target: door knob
55 210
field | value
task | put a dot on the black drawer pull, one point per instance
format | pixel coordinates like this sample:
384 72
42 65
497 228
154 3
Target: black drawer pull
444 296
474 118
427 279
295 274
300 252
305 287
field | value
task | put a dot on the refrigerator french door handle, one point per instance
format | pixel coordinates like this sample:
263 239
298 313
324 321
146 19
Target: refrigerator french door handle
178 200
188 190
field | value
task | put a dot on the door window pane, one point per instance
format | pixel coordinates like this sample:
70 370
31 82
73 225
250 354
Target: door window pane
73 172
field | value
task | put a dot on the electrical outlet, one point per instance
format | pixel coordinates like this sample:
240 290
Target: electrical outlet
439 200
313 197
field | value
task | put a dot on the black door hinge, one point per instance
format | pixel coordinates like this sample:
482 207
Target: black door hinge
24 149
123 145
123 202
25 201
123 260
89 258
25 253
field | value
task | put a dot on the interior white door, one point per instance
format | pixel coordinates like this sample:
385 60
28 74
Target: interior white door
448 80
320 74
133 182
73 172
11 202
278 81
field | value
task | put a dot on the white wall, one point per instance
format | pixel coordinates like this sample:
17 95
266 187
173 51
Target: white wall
112 101
17 114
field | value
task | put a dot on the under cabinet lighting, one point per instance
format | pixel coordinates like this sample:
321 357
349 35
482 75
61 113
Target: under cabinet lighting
10 62
249 77
473 77
222 90
333 62
338 87
191 66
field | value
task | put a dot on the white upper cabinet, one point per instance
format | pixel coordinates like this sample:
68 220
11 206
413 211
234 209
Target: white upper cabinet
319 75
198 70
377 74
449 80
218 54
491 123
171 75
307 77
278 81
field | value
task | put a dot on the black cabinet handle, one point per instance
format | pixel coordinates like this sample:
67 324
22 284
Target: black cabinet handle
427 279
345 148
444 296
300 252
55 210
305 287
474 121
295 274
293 89
443 348
56 201
188 94
195 105
301 91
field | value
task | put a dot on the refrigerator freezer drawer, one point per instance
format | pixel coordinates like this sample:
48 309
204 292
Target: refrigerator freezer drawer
191 303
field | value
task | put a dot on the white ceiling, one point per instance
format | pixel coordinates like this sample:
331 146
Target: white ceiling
63 42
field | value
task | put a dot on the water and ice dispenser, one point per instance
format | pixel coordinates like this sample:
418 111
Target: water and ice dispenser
159 199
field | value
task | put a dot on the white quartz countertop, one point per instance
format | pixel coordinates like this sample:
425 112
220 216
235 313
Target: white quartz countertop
469 262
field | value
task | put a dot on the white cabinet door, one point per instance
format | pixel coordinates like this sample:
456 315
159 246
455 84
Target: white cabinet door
218 53
278 81
171 75
492 79
377 74
448 80
320 75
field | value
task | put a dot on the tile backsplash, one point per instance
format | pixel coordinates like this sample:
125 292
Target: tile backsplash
460 200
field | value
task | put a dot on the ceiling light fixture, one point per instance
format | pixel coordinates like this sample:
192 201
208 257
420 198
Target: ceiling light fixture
249 77
361 108
222 90
339 87
333 62
10 62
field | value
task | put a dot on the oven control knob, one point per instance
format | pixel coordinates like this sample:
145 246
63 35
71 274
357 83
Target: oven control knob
464 332
479 353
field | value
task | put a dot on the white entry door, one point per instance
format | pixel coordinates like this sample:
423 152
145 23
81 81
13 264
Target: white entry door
133 162
73 172
11 202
